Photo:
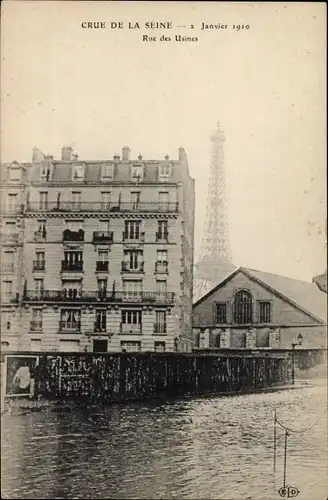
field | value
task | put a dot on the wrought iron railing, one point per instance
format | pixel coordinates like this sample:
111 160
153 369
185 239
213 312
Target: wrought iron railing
39 265
159 327
133 328
139 268
94 206
162 236
102 265
69 235
135 238
103 236
72 266
72 295
70 326
161 267
36 325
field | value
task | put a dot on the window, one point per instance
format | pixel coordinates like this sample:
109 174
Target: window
162 256
105 200
243 307
40 257
164 171
78 172
160 325
15 174
132 289
159 346
221 313
41 232
39 262
103 226
107 171
135 199
70 319
12 202
131 317
38 287
162 231
36 323
100 324
43 200
161 286
76 200
8 262
45 172
72 289
265 312
6 320
137 173
73 259
163 198
133 260
102 286
131 230
7 289
103 255
131 346
10 227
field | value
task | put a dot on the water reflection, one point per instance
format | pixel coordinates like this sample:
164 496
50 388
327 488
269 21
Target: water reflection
203 448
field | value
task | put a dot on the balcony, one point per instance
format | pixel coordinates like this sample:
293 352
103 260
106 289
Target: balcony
126 268
98 206
72 266
161 267
40 236
36 326
162 237
7 268
9 239
102 265
69 235
103 237
10 298
89 296
133 238
132 329
13 209
99 326
70 326
39 265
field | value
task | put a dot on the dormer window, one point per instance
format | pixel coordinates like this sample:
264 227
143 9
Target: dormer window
78 172
137 173
45 172
164 171
15 174
107 171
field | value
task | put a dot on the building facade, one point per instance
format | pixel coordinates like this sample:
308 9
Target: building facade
108 261
253 309
12 194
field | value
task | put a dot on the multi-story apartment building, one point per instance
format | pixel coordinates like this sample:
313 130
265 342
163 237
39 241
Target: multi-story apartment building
108 254
12 192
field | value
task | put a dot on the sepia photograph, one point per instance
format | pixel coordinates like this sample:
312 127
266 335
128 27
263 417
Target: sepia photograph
163 239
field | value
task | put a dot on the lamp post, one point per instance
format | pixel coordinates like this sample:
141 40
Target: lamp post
294 344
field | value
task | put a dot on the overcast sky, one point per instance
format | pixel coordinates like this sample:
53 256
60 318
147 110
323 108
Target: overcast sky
98 90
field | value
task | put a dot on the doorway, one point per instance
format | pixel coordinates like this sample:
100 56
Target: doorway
100 345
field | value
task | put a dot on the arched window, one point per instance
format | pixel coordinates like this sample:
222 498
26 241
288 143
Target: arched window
243 307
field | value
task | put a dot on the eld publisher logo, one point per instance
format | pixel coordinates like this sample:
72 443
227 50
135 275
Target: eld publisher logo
288 492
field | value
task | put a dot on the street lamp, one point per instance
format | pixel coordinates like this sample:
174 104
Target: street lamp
294 344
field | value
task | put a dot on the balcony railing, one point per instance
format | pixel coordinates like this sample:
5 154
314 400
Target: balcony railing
99 326
13 209
70 326
69 235
98 206
7 268
133 238
39 265
160 328
161 267
103 237
127 328
12 239
72 295
102 265
162 236
9 297
36 326
72 266
126 268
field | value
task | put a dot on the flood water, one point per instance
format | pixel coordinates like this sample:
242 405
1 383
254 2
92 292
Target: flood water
213 448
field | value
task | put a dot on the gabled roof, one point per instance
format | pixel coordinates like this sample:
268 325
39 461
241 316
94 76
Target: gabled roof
303 294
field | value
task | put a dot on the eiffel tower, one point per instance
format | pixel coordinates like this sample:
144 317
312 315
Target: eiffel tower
215 261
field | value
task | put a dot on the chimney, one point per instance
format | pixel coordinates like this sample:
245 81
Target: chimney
116 157
140 157
167 157
182 154
126 153
66 153
75 157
